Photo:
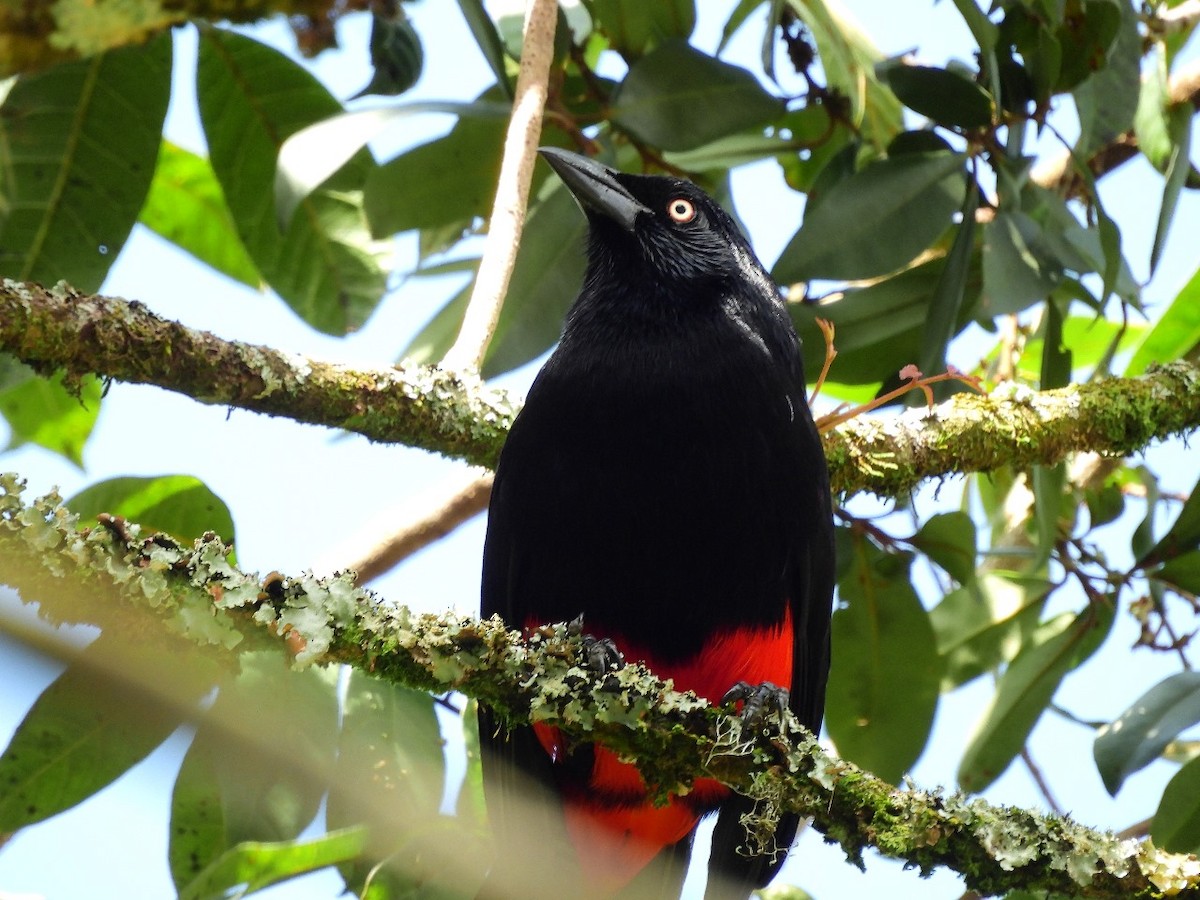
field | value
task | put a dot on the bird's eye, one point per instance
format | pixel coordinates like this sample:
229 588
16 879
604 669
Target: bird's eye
681 210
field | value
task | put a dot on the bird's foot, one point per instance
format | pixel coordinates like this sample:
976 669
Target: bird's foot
758 702
601 654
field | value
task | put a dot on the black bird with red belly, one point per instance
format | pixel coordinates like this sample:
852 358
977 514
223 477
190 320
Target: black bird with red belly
665 481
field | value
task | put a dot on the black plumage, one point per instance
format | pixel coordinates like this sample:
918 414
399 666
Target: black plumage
666 481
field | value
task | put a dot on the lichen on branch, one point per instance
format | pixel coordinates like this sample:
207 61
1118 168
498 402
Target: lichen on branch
198 595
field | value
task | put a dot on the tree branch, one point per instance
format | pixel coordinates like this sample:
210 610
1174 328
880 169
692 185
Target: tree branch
458 416
676 737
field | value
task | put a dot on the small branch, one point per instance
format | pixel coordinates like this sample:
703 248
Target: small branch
427 407
512 190
424 519
102 573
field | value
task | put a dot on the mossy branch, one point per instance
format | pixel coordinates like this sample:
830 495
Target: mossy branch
456 415
196 594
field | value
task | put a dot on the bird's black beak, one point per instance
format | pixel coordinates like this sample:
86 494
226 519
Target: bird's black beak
595 187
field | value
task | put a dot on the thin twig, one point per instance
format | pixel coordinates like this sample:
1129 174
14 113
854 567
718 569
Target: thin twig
512 190
1040 780
423 520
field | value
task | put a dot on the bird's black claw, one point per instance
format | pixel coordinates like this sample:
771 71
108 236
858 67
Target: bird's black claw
602 654
758 700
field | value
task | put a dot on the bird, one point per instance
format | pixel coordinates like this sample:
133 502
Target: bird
664 480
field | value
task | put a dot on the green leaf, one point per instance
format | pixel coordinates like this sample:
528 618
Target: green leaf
941 95
949 540
325 266
483 29
180 505
254 865
852 233
78 143
945 309
634 27
883 686
449 180
1183 572
1024 691
1182 537
1175 335
1139 735
677 98
114 704
396 54
848 59
259 764
1176 824
1179 167
983 625
1014 275
185 205
43 411
1150 119
1110 69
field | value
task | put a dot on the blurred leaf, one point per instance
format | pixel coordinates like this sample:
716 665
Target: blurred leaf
1014 277
634 27
1176 333
1179 166
449 180
1056 356
1176 824
471 806
737 19
1051 504
1105 504
1150 119
945 309
325 266
317 151
940 95
1086 38
437 336
853 233
1139 735
1183 572
1182 537
883 687
78 143
186 206
848 59
1024 691
254 865
396 54
258 766
983 625
678 98
111 707
1105 73
488 39
949 540
42 411
180 505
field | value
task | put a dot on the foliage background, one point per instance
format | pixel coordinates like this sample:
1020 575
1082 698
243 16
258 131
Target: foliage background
297 493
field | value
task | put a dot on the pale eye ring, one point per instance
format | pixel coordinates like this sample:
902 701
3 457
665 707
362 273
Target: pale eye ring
681 210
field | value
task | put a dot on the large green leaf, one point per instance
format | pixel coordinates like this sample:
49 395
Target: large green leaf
448 180
678 98
78 143
325 266
259 764
1182 537
946 305
1182 572
112 706
852 233
883 686
185 205
1175 335
1139 735
45 412
981 626
483 29
634 27
1103 57
180 505
1025 690
1176 824
944 96
1179 167
1015 274
949 540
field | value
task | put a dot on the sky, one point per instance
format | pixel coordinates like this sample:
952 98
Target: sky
300 494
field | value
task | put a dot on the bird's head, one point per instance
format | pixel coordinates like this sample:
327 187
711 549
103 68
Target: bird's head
660 233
